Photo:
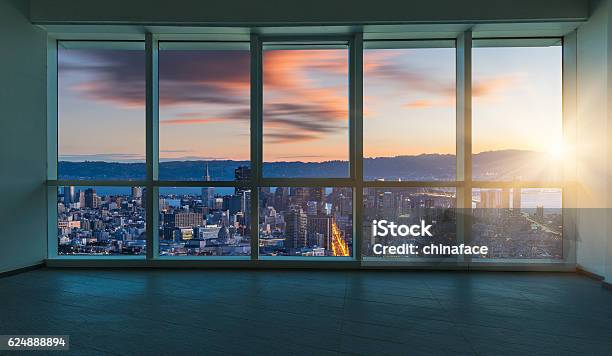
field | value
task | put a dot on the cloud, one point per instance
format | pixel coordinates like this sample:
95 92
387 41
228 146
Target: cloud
191 121
385 68
175 151
306 94
185 77
492 86
109 157
287 137
306 91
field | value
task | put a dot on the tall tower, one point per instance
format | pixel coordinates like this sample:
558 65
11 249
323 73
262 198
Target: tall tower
208 193
69 194
91 198
242 174
295 230
136 193
516 199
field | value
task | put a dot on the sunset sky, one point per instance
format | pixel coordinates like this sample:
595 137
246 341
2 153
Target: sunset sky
409 104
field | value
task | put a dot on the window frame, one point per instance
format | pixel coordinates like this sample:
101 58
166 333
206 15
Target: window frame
463 182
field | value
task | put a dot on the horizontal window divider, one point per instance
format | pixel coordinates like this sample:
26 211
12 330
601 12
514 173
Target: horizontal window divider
412 184
313 259
99 183
204 258
305 39
307 182
201 183
518 184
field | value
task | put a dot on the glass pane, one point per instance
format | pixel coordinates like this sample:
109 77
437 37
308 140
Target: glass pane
306 222
518 223
305 119
204 112
101 111
517 113
409 114
101 221
417 207
204 221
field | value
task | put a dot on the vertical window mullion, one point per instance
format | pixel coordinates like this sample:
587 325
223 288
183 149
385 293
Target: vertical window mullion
356 138
152 128
52 141
464 138
256 139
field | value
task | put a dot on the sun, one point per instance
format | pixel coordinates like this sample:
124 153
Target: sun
556 151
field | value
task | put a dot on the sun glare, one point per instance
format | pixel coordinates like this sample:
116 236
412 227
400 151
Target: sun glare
556 151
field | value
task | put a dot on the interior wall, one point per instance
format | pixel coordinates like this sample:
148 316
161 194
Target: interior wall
23 138
594 139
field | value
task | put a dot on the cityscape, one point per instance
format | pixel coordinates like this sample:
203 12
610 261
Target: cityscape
434 206
301 221
518 223
294 221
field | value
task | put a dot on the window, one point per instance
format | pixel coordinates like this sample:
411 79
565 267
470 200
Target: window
409 207
205 221
306 222
518 223
259 150
306 111
101 220
409 111
517 137
204 115
517 110
101 110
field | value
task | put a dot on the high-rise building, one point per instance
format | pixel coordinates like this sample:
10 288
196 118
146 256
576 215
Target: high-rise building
281 198
505 198
69 196
317 194
242 174
299 196
540 211
516 199
490 199
319 230
91 198
136 193
295 230
208 193
183 219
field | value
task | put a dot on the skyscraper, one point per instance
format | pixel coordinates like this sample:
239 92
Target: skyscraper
295 231
208 193
242 174
516 199
69 197
317 194
136 193
280 198
91 198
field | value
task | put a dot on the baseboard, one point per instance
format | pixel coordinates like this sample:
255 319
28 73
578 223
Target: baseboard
22 270
584 272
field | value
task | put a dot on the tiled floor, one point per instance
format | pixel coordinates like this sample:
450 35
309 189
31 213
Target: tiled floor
173 312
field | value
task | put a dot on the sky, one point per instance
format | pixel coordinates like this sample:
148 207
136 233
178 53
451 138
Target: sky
409 103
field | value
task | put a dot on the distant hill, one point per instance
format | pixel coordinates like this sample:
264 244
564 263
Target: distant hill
492 165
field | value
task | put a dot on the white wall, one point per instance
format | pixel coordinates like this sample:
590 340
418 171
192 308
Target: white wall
594 141
22 138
